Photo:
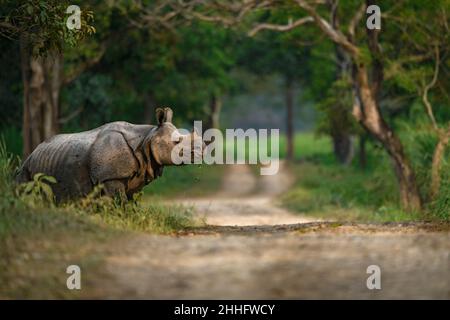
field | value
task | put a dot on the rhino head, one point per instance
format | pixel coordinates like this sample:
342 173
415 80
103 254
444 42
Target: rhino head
166 137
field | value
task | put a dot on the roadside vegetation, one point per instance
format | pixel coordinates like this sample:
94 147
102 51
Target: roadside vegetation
186 181
327 189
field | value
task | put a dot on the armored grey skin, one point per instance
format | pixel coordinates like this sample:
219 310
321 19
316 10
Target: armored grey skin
124 157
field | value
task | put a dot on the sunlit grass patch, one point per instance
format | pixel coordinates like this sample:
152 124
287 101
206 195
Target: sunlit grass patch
186 181
154 218
345 193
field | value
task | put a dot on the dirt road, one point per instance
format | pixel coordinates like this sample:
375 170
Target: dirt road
256 250
246 200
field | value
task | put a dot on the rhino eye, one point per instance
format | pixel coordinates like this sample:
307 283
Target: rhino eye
180 138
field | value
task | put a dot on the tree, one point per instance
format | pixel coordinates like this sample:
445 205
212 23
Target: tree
362 45
193 70
40 28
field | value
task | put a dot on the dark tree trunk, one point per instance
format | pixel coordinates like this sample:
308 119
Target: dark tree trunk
366 110
290 119
362 151
438 155
343 147
41 78
366 107
215 106
342 141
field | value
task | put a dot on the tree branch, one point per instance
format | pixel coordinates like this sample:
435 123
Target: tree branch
426 102
333 34
71 116
268 26
84 66
355 21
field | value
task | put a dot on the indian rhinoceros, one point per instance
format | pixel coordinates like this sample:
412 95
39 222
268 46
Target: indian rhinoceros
121 156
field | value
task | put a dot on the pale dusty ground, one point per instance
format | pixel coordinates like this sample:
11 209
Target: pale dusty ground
245 200
255 250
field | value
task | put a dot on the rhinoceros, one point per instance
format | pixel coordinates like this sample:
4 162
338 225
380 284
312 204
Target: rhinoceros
121 156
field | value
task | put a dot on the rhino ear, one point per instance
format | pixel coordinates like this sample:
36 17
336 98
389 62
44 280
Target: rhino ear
168 114
159 116
163 115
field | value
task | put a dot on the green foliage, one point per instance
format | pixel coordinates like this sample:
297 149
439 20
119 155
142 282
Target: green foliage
421 142
43 24
92 98
12 140
334 115
37 192
327 190
186 181
7 165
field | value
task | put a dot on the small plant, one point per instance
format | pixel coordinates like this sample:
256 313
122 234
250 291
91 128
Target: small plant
37 192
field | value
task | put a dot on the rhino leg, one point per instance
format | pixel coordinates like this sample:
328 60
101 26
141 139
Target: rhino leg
115 188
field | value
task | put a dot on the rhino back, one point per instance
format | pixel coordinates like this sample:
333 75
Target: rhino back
65 158
134 134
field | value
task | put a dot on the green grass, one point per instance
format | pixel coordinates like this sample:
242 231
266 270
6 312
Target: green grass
186 181
11 137
309 146
328 190
335 192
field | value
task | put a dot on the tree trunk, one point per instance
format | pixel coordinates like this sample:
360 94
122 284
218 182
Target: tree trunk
366 109
439 151
362 151
149 108
215 106
41 78
343 147
371 119
342 141
290 119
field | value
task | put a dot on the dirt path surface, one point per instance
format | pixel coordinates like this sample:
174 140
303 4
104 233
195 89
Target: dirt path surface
253 249
246 199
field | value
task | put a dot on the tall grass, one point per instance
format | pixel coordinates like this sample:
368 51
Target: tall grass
328 190
12 139
186 181
421 142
